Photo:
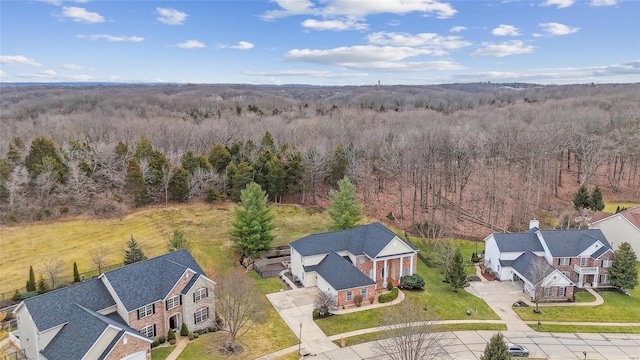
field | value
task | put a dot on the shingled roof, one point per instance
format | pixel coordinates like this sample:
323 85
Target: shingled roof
523 265
516 242
148 281
570 243
632 215
366 239
341 274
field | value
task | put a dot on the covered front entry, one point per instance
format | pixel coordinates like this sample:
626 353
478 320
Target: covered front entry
175 322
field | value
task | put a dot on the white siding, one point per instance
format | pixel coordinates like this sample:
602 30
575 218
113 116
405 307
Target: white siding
394 247
324 286
103 341
310 279
191 307
313 259
591 249
296 264
617 230
28 332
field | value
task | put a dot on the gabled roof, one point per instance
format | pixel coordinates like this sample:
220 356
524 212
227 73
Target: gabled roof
517 242
570 243
632 215
523 265
81 332
148 281
599 215
366 239
54 308
341 274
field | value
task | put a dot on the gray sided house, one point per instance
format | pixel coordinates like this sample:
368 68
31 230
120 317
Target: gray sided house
120 313
619 228
352 262
573 258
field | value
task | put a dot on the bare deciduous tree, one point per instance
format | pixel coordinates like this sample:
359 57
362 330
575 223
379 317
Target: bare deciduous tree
99 255
410 335
53 267
239 304
16 185
537 273
324 302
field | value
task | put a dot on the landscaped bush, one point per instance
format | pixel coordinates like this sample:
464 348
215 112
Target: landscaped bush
155 343
196 335
162 339
412 282
172 342
357 300
171 335
385 298
389 284
17 296
183 330
191 336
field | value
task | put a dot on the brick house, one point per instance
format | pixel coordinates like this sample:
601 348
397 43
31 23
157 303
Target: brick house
118 314
352 262
575 257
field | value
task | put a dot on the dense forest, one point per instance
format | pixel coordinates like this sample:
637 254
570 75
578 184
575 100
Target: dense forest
447 158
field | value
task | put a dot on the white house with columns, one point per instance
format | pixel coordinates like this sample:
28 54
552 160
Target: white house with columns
350 262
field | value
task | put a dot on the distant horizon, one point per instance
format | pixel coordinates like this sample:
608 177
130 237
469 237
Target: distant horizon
320 42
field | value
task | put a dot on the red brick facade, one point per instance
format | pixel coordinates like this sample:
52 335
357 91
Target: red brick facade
132 346
590 262
367 299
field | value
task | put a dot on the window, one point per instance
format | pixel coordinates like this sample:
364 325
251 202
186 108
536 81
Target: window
604 279
561 291
361 259
583 261
606 263
363 293
567 274
564 261
146 310
349 295
173 302
201 315
546 292
149 331
200 294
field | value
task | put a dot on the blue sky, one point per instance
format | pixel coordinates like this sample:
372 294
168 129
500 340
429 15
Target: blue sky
321 42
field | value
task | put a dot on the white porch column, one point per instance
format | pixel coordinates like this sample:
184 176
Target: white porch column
401 267
411 265
375 274
386 274
596 278
580 281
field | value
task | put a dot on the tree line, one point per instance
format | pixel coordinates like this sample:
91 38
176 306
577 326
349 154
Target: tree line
492 156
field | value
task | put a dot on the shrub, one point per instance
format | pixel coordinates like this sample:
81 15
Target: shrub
211 195
155 343
196 335
183 330
162 339
172 342
357 300
474 258
414 281
191 336
16 296
389 284
385 298
64 210
11 217
171 335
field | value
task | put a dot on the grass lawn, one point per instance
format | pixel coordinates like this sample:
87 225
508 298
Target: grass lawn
359 339
584 296
207 347
610 207
586 329
161 353
437 296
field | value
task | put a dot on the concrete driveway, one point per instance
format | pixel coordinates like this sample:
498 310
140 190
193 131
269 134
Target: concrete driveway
500 297
296 309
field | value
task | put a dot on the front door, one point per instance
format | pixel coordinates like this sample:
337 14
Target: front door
174 322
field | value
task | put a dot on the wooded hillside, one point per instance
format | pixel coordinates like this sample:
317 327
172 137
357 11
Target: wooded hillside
460 157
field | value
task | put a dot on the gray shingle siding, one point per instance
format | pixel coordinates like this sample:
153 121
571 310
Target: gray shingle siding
341 274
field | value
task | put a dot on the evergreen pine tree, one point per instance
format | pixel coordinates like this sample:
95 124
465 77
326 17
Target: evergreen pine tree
496 349
133 253
252 224
276 176
135 185
76 274
623 272
295 173
456 275
31 283
241 178
219 157
581 198
343 208
179 185
595 202
338 164
177 240
42 287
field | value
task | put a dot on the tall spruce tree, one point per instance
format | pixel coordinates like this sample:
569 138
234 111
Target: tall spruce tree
31 283
252 224
343 207
240 177
134 252
135 185
455 274
623 272
595 201
76 274
581 198
496 349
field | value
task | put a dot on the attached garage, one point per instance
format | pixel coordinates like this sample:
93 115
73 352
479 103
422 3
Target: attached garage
141 355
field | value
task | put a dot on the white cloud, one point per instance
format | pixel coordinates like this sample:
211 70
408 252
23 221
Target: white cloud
537 35
305 73
243 45
335 25
428 40
47 72
503 49
358 8
18 59
59 2
559 3
78 14
191 44
603 2
71 67
370 57
506 30
458 28
171 16
111 38
558 29
3 74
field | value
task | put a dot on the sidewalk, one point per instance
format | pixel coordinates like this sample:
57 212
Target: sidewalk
181 343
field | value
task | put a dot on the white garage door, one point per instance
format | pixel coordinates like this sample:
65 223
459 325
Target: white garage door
137 356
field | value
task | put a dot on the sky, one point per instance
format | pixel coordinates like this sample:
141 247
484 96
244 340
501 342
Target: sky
320 42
